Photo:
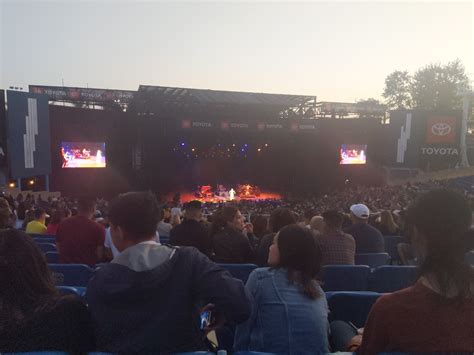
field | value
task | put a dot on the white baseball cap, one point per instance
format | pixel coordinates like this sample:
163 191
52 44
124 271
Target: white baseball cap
360 211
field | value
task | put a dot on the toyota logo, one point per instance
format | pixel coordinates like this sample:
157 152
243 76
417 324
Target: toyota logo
441 129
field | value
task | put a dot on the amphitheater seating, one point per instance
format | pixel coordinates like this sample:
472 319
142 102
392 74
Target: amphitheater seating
373 260
45 239
76 275
52 257
240 271
345 277
391 243
253 353
164 239
45 247
68 290
392 278
351 306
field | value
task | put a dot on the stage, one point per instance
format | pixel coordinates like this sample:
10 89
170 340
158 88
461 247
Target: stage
190 196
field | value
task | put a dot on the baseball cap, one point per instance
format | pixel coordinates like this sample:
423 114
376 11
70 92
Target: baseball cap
360 211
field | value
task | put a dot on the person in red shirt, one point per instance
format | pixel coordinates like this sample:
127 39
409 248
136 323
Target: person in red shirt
437 313
79 239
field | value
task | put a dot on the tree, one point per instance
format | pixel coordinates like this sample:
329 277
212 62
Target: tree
370 107
397 90
437 87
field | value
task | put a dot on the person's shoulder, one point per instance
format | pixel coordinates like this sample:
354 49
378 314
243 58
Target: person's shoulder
69 306
263 273
395 299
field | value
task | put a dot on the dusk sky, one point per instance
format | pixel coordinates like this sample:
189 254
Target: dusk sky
337 51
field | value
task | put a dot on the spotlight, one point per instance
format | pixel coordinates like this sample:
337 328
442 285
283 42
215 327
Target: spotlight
233 145
32 182
259 149
246 145
12 185
266 144
182 144
193 149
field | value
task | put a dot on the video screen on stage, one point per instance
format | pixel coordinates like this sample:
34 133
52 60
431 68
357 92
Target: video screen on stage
353 154
83 155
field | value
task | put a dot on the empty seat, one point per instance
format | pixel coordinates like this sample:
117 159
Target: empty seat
391 242
351 306
392 278
45 247
240 271
52 257
345 277
71 274
373 260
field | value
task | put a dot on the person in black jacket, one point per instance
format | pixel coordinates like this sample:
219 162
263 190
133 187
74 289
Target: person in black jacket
368 239
232 237
191 232
148 299
33 315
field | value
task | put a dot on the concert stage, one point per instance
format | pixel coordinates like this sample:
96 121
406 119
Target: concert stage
190 196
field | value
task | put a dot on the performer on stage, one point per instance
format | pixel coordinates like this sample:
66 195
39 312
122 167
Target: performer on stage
231 194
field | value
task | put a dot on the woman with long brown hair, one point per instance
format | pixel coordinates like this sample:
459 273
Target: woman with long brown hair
34 317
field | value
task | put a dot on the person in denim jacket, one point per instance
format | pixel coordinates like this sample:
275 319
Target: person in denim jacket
289 309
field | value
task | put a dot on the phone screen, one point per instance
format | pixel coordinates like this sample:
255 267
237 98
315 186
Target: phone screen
205 319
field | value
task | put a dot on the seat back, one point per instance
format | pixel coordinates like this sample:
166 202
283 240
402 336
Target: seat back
51 240
345 277
71 274
391 242
164 239
373 260
392 278
68 290
52 257
351 306
45 247
239 271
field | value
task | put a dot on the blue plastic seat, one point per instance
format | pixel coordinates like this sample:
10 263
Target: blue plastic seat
373 260
391 242
39 353
68 290
52 257
351 306
164 239
253 353
345 277
71 274
239 271
392 278
45 247
51 240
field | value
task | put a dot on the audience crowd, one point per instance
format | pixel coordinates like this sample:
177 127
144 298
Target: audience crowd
156 272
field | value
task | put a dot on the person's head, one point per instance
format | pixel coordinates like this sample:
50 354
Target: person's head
260 224
279 218
386 219
25 276
40 215
308 215
440 222
360 213
86 207
5 213
133 219
333 220
317 224
295 249
228 217
193 210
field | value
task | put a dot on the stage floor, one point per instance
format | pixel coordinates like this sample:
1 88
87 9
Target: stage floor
189 196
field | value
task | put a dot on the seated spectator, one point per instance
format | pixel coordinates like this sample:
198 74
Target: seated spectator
57 216
437 313
5 214
110 251
231 244
337 247
163 228
307 216
146 300
368 238
279 218
192 232
260 225
317 225
289 308
38 225
34 317
387 225
29 216
79 239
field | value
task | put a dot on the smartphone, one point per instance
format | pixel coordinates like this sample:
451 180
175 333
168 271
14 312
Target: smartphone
205 319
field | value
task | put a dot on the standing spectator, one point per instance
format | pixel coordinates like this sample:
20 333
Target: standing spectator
38 225
79 239
437 313
337 247
147 299
163 228
34 317
231 245
279 218
191 232
368 239
289 308
57 216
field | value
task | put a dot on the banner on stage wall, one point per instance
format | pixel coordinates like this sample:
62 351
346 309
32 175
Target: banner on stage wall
60 93
29 144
